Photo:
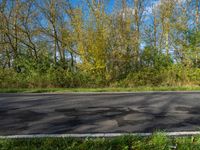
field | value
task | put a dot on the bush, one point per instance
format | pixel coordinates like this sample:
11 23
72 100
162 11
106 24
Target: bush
145 77
56 76
60 77
10 78
174 75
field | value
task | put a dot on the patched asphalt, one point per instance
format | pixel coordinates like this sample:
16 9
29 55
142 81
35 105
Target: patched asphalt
99 113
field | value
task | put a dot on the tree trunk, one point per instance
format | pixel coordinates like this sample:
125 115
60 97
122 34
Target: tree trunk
197 15
137 24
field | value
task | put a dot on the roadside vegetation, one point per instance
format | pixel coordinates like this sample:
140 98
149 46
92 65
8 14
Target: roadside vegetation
64 90
99 44
158 141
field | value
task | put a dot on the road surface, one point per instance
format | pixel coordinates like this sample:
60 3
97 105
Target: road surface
99 112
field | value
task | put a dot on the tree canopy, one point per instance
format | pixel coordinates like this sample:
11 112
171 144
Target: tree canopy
98 43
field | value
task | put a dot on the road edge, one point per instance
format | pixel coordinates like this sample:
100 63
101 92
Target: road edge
97 135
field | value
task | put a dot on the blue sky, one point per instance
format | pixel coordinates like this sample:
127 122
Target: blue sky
111 3
109 9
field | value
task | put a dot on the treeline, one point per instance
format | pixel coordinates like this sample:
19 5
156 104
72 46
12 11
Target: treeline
98 43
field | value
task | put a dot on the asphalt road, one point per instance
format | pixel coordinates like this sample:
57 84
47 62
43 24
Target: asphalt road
99 113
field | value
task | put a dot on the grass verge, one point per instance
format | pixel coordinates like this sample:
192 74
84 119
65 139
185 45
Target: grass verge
61 90
158 141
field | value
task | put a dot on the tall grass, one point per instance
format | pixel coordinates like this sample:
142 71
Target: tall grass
158 141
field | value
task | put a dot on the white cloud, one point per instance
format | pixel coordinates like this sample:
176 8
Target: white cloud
155 4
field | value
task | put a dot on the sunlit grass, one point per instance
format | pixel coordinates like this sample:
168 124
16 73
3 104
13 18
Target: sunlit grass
134 89
158 141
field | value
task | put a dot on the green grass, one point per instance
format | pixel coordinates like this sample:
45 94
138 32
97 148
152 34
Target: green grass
158 141
135 89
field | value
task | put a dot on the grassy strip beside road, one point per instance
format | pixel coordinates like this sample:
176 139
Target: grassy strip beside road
157 141
60 90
